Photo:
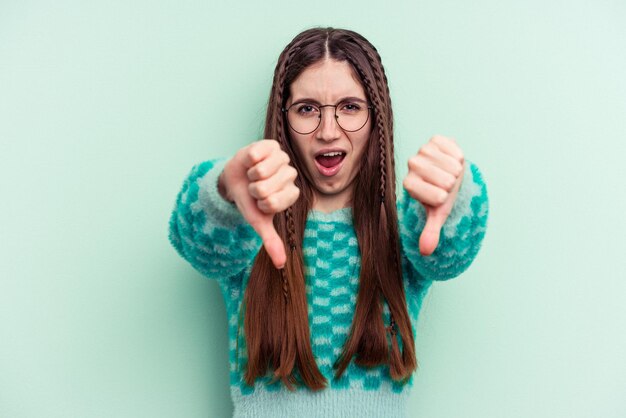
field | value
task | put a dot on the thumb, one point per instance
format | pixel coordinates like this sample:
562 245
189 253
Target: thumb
429 239
271 240
263 224
435 219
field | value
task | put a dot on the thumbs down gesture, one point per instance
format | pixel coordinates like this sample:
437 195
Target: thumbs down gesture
434 179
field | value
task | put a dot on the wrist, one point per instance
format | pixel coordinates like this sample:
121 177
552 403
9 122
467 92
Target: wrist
221 188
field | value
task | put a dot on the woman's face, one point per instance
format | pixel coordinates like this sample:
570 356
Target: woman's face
330 154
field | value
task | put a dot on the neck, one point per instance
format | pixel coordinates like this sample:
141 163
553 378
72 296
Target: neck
330 203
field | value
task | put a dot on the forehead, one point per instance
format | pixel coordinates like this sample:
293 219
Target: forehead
327 81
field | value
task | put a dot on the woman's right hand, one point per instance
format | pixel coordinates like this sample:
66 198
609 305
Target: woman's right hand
260 181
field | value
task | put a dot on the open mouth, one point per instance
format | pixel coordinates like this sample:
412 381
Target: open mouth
329 163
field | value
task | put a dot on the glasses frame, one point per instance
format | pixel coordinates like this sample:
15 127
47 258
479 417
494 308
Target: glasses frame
319 122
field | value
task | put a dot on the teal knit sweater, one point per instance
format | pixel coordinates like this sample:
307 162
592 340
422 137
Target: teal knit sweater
215 239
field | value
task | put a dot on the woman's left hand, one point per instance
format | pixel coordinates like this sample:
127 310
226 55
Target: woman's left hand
434 178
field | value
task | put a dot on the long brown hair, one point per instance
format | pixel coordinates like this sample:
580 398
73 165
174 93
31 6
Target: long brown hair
276 323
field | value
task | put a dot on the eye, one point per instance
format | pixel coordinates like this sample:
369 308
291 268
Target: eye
306 109
350 107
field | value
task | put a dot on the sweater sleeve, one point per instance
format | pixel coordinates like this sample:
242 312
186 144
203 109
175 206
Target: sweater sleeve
461 235
206 230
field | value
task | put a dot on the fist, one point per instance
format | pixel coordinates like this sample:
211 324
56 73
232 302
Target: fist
434 178
260 181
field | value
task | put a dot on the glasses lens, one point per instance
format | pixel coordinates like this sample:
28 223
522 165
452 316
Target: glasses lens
352 116
304 118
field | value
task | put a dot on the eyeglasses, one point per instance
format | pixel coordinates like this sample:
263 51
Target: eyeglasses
305 117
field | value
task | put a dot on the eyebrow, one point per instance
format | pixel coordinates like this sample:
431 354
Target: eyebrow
343 99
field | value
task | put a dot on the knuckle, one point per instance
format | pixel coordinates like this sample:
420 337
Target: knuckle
257 190
417 164
271 203
296 193
441 197
271 144
261 191
460 169
260 171
426 150
406 183
414 161
450 184
254 154
252 174
252 189
293 173
260 206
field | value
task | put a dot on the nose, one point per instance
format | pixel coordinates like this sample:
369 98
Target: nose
329 129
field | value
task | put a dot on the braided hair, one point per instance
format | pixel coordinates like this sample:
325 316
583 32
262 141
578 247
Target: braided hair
281 342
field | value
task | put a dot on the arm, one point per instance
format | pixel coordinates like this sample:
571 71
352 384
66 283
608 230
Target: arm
206 230
461 235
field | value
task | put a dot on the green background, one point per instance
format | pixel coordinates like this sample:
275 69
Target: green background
105 106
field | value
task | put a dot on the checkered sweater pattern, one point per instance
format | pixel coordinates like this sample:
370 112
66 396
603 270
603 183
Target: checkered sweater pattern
215 239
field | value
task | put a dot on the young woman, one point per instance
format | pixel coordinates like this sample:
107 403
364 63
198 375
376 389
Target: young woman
322 269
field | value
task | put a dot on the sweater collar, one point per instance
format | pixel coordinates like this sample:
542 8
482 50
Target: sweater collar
343 215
